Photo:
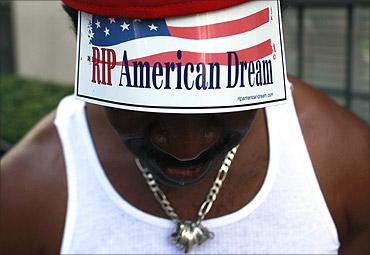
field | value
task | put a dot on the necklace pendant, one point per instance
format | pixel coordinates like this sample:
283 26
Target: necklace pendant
189 233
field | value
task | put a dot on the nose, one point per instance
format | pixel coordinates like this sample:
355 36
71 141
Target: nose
185 137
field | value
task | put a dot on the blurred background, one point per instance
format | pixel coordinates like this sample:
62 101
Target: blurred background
327 45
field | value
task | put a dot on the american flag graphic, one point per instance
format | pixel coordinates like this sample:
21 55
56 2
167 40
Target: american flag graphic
160 39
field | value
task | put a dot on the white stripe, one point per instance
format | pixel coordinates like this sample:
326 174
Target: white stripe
224 15
153 45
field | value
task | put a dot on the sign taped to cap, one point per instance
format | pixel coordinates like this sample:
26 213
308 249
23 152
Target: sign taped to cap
222 61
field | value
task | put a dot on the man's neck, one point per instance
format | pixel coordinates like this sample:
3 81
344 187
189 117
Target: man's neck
245 177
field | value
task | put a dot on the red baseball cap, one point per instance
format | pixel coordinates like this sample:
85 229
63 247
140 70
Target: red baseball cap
148 9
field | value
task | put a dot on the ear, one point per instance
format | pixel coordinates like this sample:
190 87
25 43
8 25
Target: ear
283 4
73 14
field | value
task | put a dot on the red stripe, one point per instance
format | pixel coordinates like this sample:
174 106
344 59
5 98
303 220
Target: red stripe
223 29
250 54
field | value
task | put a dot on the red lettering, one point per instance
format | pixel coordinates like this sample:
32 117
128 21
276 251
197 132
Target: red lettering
96 68
108 62
103 50
111 61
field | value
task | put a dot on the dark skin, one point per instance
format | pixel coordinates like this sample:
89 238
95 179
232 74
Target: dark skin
33 179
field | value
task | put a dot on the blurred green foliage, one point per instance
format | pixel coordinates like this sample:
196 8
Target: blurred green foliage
23 102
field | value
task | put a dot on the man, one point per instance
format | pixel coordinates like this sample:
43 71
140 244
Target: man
72 185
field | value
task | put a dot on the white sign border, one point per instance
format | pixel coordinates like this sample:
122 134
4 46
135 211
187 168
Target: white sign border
177 109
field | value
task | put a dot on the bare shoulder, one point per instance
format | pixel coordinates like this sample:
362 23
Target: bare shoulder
338 143
33 192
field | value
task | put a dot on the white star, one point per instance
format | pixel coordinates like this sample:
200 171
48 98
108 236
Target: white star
125 26
112 20
106 31
91 35
153 27
97 23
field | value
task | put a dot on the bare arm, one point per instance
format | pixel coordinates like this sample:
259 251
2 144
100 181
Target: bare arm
338 143
33 196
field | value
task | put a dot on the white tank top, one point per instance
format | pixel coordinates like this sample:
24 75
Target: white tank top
287 216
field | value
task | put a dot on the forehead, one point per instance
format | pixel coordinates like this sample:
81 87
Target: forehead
122 113
135 121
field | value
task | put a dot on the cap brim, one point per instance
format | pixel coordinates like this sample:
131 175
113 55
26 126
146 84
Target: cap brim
148 9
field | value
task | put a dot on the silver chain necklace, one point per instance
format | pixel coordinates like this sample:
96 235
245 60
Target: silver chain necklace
189 233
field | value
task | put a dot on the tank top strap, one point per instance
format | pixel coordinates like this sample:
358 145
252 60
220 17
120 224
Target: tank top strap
295 165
